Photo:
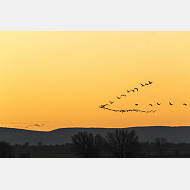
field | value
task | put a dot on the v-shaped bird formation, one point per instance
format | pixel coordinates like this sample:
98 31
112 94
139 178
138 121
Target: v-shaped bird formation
136 104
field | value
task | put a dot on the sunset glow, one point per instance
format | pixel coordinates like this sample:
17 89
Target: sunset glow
59 79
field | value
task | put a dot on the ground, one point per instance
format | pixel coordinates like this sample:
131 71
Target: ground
65 151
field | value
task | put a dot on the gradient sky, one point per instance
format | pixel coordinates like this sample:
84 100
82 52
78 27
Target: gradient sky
58 79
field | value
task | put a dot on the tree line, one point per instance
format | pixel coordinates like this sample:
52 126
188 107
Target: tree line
118 143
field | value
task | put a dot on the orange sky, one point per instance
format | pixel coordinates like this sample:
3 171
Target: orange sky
60 78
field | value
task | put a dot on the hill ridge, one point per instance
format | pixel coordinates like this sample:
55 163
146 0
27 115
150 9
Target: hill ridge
174 134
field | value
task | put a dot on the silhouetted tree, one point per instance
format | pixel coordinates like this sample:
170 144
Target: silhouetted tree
26 144
133 145
161 144
122 143
100 144
5 150
86 144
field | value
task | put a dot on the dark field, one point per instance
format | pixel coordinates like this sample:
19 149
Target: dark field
172 151
59 151
65 151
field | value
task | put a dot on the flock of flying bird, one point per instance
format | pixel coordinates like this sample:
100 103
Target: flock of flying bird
20 124
131 110
36 125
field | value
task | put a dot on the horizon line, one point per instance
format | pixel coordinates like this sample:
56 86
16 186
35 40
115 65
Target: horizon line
82 127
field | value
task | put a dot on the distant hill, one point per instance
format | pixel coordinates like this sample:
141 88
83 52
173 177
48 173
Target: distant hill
63 135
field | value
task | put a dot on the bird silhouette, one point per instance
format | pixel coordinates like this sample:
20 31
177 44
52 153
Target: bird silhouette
136 89
118 97
185 104
170 103
150 82
103 106
123 95
111 102
142 84
153 111
133 90
158 103
37 125
146 84
128 91
136 104
40 125
150 104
